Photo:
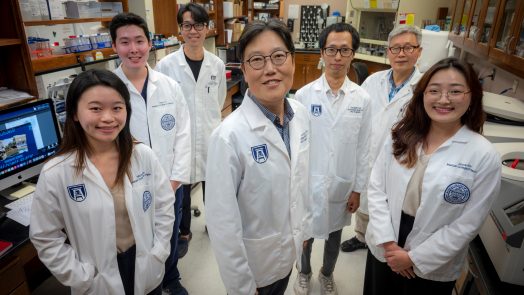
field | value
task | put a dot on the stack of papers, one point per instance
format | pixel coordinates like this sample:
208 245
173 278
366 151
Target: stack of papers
21 210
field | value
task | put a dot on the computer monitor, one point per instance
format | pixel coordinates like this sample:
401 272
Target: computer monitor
29 135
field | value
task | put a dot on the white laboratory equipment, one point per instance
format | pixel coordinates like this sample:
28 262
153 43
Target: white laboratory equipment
505 122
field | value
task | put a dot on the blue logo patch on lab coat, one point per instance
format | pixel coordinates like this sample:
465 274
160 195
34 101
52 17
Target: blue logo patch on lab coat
167 121
456 193
147 199
77 192
316 110
260 153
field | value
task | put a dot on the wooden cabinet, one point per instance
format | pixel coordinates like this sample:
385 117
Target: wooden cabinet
64 61
306 69
480 26
494 30
15 62
506 30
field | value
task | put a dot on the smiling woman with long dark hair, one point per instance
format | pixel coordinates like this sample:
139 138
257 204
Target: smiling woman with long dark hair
431 187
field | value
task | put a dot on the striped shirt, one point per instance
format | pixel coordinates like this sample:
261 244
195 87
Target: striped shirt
283 129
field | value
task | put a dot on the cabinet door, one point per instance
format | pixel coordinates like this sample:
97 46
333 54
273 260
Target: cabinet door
515 57
487 25
473 29
312 73
299 79
504 30
454 35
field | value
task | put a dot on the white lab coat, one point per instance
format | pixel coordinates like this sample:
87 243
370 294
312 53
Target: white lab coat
465 165
256 212
385 113
82 205
205 99
339 161
163 123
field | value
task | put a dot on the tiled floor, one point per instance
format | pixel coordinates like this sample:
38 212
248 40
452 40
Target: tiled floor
200 274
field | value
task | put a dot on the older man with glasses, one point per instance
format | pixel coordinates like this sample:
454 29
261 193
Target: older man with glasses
340 116
390 90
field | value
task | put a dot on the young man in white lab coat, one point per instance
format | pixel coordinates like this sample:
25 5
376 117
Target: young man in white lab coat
257 171
390 91
201 74
160 117
340 129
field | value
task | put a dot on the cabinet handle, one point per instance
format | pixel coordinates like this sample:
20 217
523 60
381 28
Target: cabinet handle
303 70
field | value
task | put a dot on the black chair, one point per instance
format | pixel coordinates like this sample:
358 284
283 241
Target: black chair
361 71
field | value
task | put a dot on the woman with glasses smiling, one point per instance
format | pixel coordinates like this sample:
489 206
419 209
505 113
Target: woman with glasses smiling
257 170
431 187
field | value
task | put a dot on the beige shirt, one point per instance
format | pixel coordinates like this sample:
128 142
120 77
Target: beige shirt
414 189
124 233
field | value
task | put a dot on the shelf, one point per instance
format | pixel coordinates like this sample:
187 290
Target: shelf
7 42
66 21
266 9
235 17
66 61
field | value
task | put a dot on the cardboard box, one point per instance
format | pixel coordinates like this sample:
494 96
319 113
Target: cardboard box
236 27
89 9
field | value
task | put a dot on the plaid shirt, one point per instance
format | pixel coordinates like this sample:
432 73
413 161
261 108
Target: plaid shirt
394 90
283 129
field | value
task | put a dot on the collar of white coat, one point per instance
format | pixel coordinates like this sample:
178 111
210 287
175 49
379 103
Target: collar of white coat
322 85
462 136
253 114
153 77
414 77
181 59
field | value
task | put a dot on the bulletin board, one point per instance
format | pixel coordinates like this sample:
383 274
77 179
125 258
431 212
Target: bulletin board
312 21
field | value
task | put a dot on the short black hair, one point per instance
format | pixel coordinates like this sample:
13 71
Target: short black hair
198 13
255 28
340 27
126 19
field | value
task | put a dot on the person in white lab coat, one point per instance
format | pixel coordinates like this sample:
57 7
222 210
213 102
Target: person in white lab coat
105 194
160 117
431 187
257 170
202 76
340 114
390 91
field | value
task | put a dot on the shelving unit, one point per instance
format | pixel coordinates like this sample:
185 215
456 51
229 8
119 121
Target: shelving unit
15 65
65 21
273 12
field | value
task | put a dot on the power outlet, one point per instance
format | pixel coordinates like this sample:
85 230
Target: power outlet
515 86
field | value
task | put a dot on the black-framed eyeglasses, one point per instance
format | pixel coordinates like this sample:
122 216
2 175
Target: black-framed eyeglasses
257 62
332 51
407 49
453 94
198 26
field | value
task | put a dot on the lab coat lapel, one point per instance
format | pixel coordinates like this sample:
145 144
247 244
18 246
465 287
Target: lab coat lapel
151 86
183 64
260 123
92 173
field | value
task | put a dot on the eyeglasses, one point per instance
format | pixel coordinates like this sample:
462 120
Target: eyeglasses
257 62
332 51
407 49
450 94
198 26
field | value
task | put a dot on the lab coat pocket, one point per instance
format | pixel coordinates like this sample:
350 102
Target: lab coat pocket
350 127
339 190
262 254
95 287
154 273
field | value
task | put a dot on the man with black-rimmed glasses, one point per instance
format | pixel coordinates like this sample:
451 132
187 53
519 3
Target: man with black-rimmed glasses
389 90
340 116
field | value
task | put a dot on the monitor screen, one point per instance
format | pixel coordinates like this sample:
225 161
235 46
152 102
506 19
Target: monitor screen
29 135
